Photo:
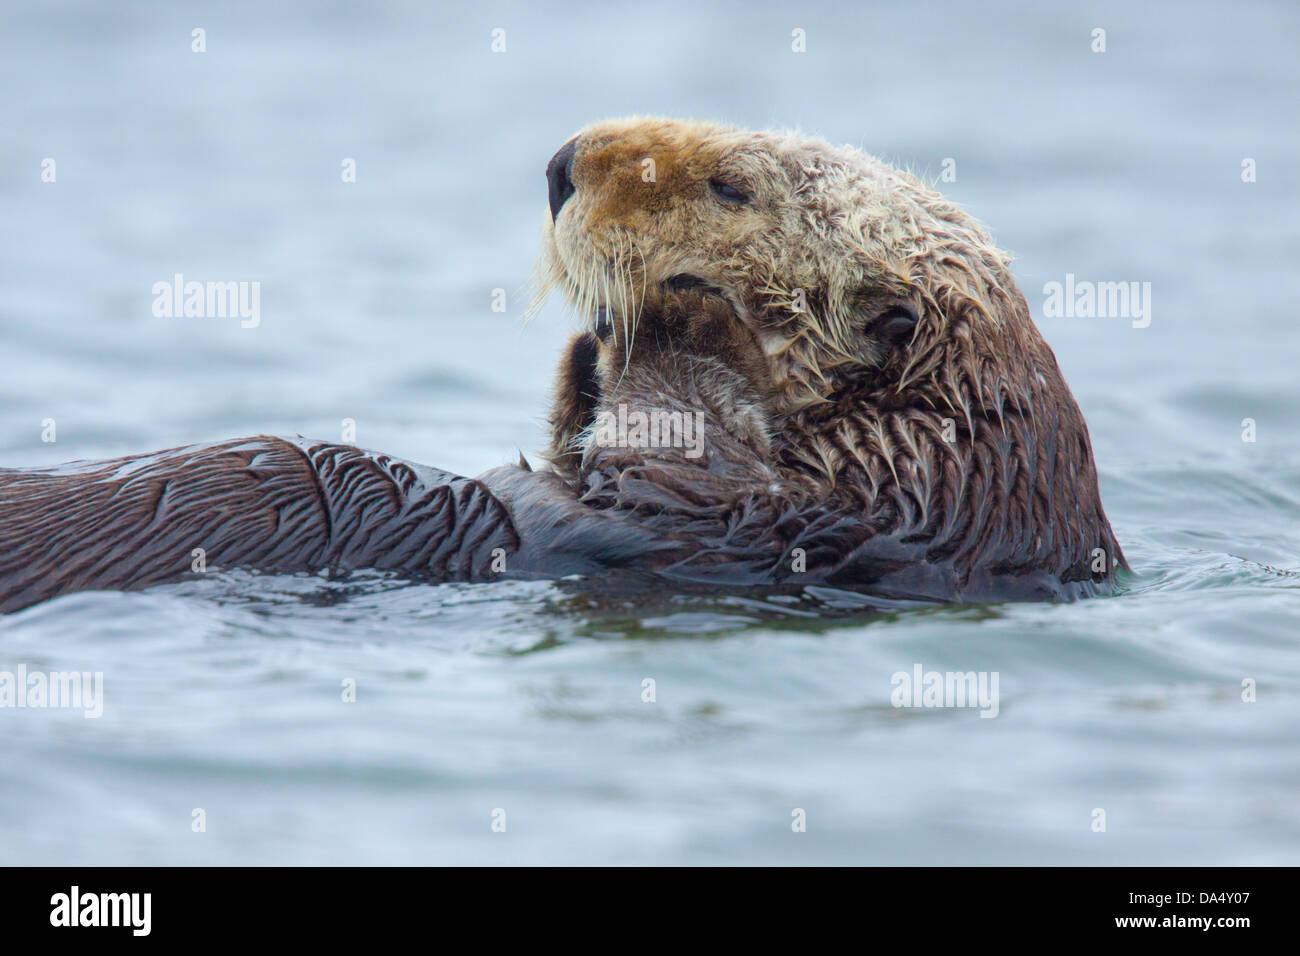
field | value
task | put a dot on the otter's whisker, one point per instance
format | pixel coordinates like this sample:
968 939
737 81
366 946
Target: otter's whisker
644 284
624 296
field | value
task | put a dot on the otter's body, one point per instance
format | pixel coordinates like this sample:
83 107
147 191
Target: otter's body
279 505
846 386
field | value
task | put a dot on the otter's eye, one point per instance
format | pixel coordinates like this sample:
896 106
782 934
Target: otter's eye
895 325
728 193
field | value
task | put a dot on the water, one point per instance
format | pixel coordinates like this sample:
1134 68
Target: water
225 695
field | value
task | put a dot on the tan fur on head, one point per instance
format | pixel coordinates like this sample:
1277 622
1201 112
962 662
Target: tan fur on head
824 229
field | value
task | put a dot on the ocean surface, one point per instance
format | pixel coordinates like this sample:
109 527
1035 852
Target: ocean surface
509 722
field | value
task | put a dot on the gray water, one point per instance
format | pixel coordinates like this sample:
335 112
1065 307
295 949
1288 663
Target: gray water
225 695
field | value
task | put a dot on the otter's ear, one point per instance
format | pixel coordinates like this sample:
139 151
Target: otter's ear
894 325
884 323
577 393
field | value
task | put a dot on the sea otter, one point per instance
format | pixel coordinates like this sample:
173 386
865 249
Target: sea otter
798 365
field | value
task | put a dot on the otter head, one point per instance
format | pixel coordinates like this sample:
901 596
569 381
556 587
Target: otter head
871 328
843 272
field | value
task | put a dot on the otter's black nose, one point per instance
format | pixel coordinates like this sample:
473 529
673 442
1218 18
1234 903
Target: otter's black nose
559 176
